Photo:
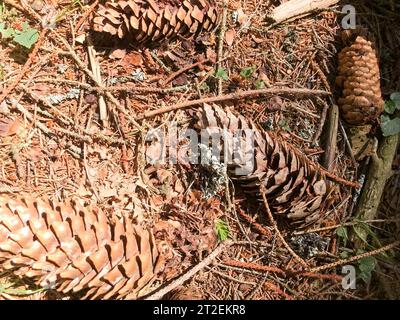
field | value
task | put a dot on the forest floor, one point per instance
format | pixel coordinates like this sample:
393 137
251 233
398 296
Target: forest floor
74 119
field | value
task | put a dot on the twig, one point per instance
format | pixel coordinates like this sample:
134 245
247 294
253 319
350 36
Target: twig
190 273
338 179
298 92
221 43
321 123
284 272
299 8
335 277
347 224
187 68
223 275
356 258
278 233
331 138
103 112
278 290
124 88
26 66
162 64
253 266
264 231
47 104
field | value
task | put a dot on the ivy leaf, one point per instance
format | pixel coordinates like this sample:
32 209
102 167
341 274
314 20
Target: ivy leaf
390 106
247 72
342 233
222 229
27 37
395 97
390 126
366 266
222 74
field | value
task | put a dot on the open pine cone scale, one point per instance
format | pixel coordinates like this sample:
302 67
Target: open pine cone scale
70 248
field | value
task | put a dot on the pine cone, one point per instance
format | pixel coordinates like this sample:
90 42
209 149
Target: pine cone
69 247
294 184
148 20
359 79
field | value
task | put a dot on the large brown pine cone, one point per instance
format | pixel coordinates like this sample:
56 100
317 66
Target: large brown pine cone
150 20
69 247
359 81
294 184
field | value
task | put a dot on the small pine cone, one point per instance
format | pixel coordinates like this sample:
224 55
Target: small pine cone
359 81
295 186
68 247
150 20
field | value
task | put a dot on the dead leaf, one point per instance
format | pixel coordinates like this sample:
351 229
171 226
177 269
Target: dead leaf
241 16
230 36
211 55
133 59
81 39
117 54
9 127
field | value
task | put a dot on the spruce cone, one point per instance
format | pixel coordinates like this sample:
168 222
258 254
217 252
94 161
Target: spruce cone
294 184
150 20
70 248
359 79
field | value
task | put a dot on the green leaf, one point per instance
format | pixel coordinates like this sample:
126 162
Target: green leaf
222 74
248 72
366 267
27 37
25 26
6 32
369 230
389 126
390 106
367 264
365 276
395 97
222 229
260 84
342 233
